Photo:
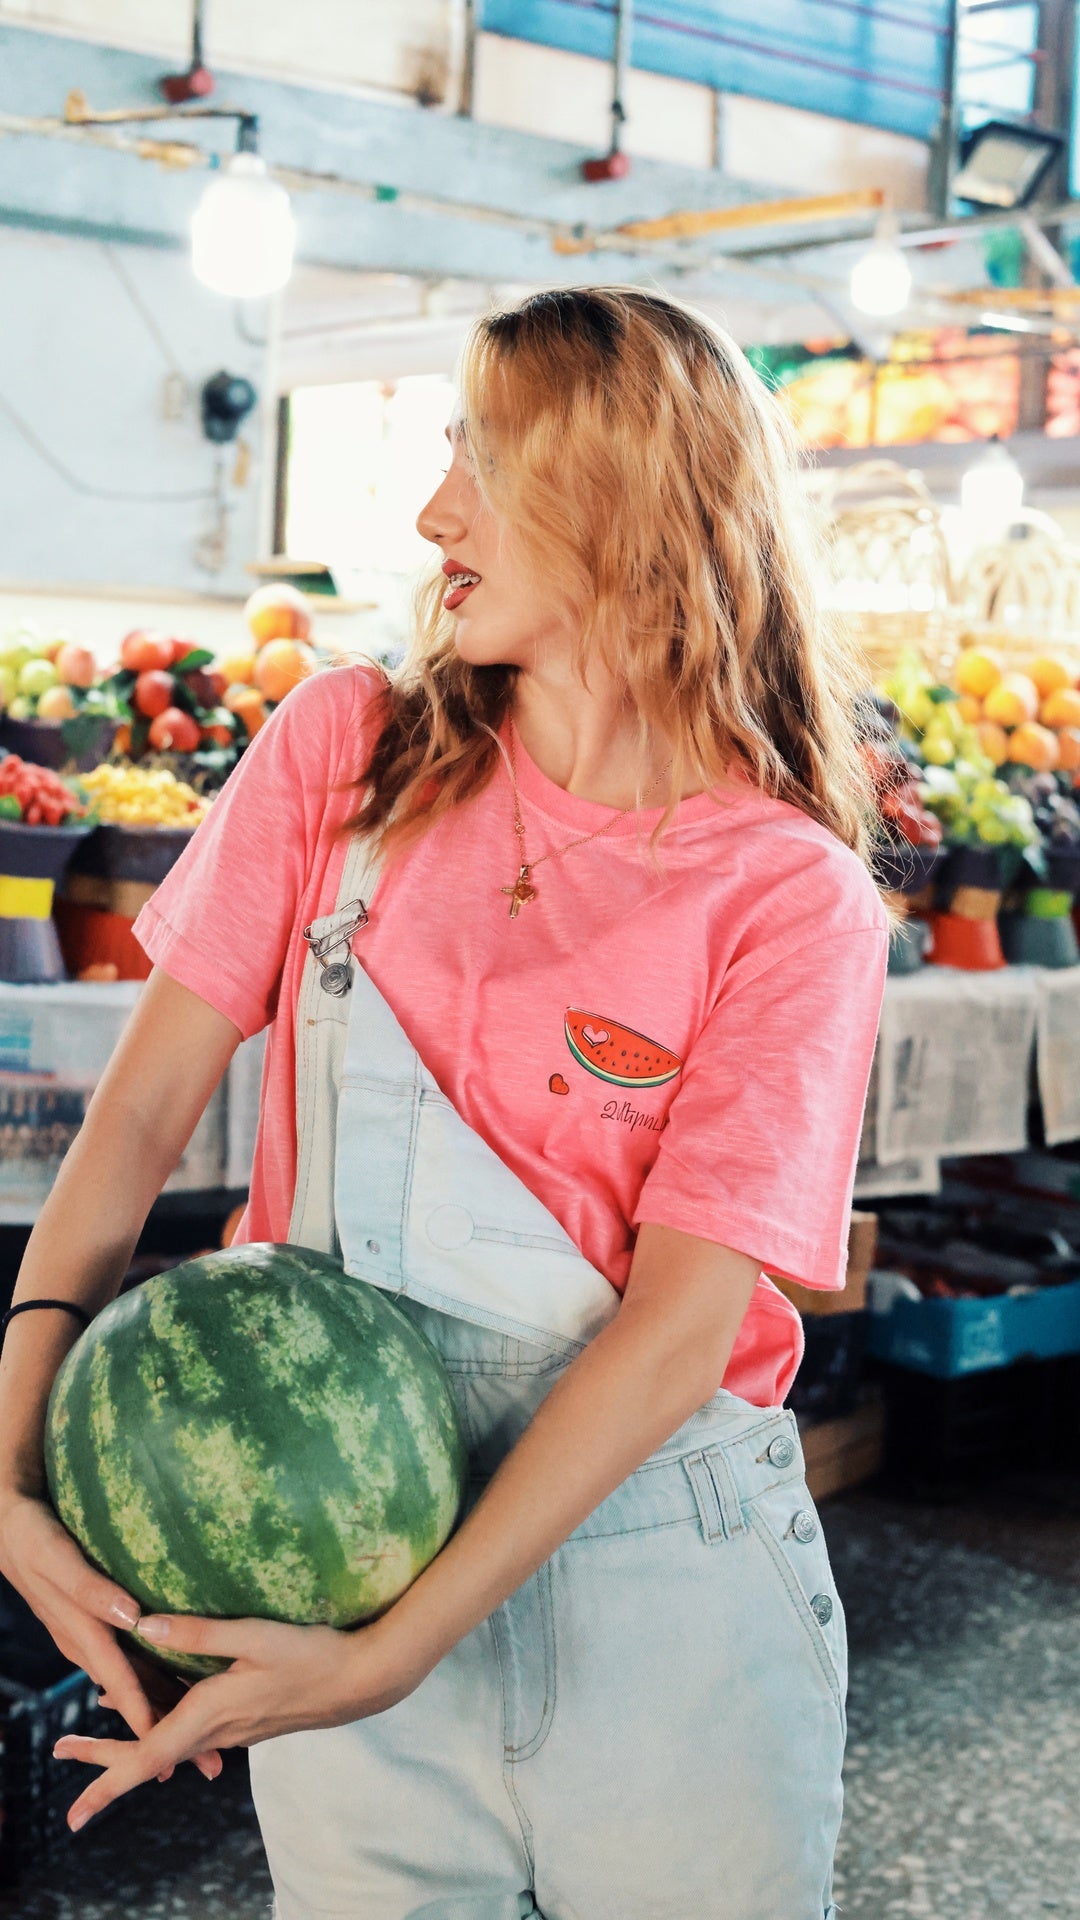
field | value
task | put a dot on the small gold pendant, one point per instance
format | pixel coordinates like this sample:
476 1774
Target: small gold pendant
520 893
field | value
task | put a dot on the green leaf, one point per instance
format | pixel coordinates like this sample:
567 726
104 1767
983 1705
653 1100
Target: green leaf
198 657
9 807
82 733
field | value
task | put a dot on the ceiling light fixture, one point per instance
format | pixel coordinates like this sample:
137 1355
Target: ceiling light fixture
243 233
992 490
881 278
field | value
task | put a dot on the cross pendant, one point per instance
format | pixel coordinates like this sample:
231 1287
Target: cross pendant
520 893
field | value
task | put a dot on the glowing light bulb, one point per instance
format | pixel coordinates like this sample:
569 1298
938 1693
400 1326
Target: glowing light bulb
243 233
991 491
881 279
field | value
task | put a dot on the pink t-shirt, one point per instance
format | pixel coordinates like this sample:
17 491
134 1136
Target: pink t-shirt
751 975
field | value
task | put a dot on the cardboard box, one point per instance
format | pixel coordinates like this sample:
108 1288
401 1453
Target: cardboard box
862 1246
844 1453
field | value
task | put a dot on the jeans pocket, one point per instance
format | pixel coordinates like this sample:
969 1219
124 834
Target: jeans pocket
786 1521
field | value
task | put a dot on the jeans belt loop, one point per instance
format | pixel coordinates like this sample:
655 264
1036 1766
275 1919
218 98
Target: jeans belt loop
727 1493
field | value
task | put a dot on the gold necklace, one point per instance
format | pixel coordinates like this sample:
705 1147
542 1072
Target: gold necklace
523 890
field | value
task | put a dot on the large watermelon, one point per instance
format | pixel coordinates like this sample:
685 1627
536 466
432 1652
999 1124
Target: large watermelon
255 1434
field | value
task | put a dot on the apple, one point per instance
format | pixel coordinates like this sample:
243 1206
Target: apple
37 677
56 703
76 666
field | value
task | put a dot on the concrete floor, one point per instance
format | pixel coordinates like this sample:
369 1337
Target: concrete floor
963 1768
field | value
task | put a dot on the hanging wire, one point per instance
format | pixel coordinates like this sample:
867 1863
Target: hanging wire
77 485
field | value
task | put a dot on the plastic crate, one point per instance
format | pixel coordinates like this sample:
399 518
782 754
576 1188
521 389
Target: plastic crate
942 1434
949 1338
36 1791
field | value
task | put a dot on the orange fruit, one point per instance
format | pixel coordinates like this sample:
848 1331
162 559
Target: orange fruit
1034 746
122 738
1013 700
978 669
1049 673
277 612
237 670
1061 708
969 708
249 704
280 666
994 741
1069 748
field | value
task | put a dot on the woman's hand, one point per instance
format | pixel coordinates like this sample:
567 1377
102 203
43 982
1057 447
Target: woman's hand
81 1609
283 1680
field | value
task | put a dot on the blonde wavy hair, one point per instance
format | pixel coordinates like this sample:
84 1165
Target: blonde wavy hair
626 433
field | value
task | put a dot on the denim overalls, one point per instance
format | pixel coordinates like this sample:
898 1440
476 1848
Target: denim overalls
652 1727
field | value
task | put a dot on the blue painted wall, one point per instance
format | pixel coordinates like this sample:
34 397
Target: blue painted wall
83 369
880 63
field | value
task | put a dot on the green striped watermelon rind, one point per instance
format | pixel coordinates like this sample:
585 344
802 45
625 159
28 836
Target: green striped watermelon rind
621 1079
305 1460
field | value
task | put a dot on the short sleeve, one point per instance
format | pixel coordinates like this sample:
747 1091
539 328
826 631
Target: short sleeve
221 921
762 1139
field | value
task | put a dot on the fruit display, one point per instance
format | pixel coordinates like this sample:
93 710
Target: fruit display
165 694
36 796
129 796
254 1434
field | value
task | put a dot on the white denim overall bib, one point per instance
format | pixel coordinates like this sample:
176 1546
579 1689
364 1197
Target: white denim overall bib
652 1727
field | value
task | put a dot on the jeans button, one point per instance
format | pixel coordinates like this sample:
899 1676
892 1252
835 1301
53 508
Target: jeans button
804 1526
373 1246
821 1606
782 1450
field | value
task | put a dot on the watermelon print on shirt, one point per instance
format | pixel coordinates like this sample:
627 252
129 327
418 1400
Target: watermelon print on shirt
755 956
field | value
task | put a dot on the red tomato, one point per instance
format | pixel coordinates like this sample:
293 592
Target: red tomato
154 692
174 732
142 650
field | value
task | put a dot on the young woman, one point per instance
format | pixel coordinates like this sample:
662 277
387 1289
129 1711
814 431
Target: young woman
596 1058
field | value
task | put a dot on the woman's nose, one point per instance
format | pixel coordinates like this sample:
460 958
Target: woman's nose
442 519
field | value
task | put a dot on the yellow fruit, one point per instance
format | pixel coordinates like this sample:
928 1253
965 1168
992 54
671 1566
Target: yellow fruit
1049 674
1060 708
1034 746
978 669
1069 748
938 750
1014 700
238 669
969 708
994 741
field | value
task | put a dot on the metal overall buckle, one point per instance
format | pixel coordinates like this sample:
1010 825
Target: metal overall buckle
336 975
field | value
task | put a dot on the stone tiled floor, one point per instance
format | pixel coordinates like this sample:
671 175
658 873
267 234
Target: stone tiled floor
963 1764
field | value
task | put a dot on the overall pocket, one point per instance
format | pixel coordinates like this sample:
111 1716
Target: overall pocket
786 1522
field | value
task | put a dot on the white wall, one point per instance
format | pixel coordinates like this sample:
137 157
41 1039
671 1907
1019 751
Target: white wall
813 153
83 361
373 43
566 96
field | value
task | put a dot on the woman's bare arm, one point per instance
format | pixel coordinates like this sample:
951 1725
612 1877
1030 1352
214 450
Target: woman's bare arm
144 1110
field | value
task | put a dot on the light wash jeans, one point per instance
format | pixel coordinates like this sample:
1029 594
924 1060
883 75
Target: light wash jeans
652 1727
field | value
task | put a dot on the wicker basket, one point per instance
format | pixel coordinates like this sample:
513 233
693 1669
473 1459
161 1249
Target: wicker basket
1021 593
892 581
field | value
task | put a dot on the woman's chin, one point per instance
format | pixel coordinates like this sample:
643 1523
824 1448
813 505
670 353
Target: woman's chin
478 649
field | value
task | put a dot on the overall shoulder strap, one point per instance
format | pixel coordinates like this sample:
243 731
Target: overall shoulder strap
321 1024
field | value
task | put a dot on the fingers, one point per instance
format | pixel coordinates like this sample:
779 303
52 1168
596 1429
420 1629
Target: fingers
221 1639
103 1657
128 1763
90 1590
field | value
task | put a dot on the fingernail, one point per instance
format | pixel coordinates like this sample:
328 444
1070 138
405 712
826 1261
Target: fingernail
125 1613
77 1820
156 1627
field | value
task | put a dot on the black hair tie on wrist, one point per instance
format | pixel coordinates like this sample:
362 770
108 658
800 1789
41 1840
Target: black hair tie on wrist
28 1306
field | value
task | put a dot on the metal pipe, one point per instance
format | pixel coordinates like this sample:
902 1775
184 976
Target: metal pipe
624 28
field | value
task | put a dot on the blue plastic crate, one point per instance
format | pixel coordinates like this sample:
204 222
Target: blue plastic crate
948 1338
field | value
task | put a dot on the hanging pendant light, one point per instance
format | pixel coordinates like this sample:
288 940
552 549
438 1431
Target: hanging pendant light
881 278
243 233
